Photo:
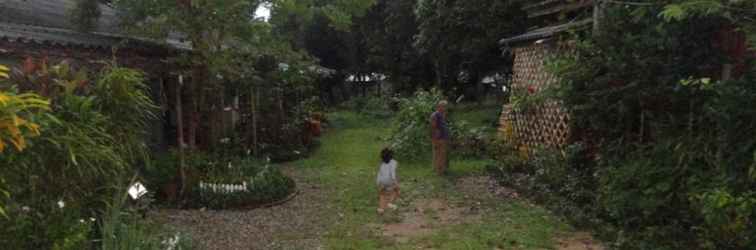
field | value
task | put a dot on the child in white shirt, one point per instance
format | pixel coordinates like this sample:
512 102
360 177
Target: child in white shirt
388 183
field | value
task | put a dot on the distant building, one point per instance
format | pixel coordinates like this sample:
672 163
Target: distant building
40 30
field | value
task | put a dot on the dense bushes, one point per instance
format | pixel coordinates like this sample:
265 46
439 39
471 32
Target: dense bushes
668 156
219 181
264 186
90 141
410 134
564 180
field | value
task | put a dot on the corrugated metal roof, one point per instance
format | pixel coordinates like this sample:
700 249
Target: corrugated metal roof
546 32
52 14
548 7
46 21
54 36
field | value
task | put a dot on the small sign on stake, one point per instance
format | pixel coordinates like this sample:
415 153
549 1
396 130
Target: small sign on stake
137 190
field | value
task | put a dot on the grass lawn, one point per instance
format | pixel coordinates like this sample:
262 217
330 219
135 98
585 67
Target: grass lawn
346 164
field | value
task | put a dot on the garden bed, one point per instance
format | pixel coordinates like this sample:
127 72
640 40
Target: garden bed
267 186
253 204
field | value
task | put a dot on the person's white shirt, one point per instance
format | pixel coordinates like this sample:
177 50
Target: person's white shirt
387 173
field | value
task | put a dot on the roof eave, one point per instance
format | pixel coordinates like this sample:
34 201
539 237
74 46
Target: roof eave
546 32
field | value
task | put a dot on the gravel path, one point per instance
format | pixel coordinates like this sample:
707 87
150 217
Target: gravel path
296 224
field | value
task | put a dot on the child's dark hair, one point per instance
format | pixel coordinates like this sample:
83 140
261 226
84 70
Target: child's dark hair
387 155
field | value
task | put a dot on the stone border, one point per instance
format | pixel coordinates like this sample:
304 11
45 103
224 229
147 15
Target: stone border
266 205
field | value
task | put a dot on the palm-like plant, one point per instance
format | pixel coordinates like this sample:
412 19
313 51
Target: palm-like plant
13 126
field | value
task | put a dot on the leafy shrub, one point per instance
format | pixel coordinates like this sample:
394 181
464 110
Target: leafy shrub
250 185
285 153
121 94
122 229
58 225
653 192
88 139
562 179
469 141
216 179
728 218
672 146
13 109
410 135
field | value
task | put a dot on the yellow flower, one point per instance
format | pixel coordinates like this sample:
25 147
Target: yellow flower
14 128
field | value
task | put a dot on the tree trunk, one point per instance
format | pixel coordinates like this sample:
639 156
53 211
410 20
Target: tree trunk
254 96
281 112
180 137
217 113
193 109
439 73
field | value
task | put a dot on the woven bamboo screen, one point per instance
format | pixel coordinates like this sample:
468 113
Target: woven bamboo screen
546 124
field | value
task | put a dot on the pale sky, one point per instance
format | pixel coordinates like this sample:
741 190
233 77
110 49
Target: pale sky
263 11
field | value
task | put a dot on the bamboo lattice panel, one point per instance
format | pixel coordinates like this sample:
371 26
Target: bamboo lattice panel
546 124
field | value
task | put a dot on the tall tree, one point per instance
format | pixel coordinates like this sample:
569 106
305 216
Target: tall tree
462 37
389 30
324 28
214 29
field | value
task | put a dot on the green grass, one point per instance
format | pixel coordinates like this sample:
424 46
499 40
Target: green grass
346 163
486 114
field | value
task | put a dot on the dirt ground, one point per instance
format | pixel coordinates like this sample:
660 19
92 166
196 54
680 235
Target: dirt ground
296 224
301 224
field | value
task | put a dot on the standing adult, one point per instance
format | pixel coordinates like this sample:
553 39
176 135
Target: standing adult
440 138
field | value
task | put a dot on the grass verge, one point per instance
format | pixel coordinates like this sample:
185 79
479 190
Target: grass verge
346 165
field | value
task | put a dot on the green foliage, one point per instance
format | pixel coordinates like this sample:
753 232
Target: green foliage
410 134
563 180
387 33
738 12
726 217
345 168
375 106
468 140
122 229
122 96
247 186
461 36
339 12
13 127
264 183
85 14
86 144
672 146
50 226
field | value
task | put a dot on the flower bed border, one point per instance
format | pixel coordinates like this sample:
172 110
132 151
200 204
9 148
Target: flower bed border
267 205
289 197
